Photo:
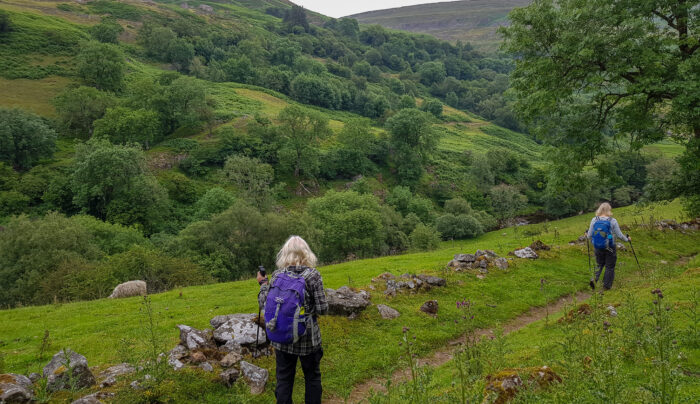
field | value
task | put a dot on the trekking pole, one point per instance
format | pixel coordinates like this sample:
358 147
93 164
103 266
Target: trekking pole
590 269
257 320
634 253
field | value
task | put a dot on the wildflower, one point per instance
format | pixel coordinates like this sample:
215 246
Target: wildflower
414 337
405 329
656 302
472 317
400 343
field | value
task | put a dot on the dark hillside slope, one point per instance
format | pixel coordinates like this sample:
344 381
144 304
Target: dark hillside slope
474 21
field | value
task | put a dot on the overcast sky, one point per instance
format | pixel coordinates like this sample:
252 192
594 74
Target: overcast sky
340 8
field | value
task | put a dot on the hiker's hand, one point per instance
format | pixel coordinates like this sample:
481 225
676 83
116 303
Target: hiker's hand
260 277
629 238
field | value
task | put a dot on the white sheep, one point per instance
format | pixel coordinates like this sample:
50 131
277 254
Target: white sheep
128 289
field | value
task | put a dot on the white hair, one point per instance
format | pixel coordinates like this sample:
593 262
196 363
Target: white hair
604 210
295 251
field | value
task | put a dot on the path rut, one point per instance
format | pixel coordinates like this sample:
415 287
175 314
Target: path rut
362 391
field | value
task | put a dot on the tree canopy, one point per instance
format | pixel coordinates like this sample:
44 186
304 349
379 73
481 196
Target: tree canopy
24 138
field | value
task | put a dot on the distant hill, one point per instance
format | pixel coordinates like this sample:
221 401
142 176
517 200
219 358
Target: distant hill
474 21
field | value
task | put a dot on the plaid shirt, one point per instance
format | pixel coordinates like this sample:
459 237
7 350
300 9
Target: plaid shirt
314 303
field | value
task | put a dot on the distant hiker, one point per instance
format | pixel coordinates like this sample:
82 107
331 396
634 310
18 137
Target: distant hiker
292 300
602 232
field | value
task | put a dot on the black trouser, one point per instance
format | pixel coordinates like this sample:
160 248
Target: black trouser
287 368
606 258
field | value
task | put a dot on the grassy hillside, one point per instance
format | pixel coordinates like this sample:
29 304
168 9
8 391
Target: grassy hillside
109 331
473 21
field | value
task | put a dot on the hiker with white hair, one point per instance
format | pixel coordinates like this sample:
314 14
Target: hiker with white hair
602 232
292 300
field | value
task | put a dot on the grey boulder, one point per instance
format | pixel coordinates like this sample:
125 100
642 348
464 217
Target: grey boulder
526 252
108 377
465 257
230 359
501 263
387 312
229 376
68 370
242 330
430 307
193 338
432 280
15 388
255 377
345 302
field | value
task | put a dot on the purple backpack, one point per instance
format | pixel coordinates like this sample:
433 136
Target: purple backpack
285 315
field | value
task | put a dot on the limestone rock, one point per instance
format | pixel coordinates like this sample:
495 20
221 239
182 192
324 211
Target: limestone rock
34 377
178 352
207 367
66 368
384 277
387 312
345 302
108 377
229 376
197 357
217 321
430 307
432 280
501 263
193 338
242 330
255 377
465 257
486 253
611 311
526 252
15 388
230 359
91 399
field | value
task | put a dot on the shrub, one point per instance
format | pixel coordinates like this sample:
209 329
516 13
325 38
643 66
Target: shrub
13 203
458 227
348 223
215 200
78 109
314 90
432 106
424 238
106 31
24 138
179 187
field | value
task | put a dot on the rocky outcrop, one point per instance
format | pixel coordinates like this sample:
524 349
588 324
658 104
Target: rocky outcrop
229 376
481 260
501 263
15 388
68 370
387 312
255 377
345 302
410 283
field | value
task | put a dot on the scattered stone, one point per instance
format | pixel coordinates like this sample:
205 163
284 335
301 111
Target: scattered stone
108 377
255 377
207 367
430 307
384 277
611 311
231 346
465 257
242 330
178 352
176 364
539 246
501 263
432 280
197 357
135 385
193 338
15 388
387 312
483 271
486 253
91 399
504 385
345 302
483 264
68 370
34 377
229 376
480 276
230 359
526 252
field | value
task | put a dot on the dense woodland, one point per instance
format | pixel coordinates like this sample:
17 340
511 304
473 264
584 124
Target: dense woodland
83 208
